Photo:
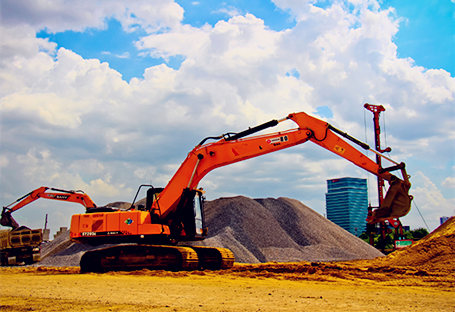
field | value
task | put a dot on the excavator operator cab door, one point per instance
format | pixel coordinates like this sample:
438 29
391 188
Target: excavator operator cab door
200 230
189 217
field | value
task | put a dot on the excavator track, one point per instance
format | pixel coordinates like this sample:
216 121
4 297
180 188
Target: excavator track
130 257
212 258
137 257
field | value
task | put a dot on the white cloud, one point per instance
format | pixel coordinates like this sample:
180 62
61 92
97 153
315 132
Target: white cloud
49 107
229 11
449 182
3 161
124 55
430 201
62 15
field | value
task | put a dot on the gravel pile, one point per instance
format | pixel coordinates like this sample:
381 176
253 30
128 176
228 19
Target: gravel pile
283 229
256 230
63 252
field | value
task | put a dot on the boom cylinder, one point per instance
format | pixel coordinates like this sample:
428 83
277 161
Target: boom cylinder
271 123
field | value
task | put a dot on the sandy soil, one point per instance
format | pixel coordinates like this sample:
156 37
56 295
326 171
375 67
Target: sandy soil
418 278
350 286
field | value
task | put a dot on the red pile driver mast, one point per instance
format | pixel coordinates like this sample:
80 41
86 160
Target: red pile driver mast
376 110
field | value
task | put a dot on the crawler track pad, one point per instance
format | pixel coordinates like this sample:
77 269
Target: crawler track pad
212 258
137 257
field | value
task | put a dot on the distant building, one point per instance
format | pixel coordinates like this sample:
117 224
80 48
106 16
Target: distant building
347 203
443 219
46 234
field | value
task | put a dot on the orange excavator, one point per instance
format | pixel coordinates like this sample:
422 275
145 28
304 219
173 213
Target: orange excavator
21 244
42 192
153 236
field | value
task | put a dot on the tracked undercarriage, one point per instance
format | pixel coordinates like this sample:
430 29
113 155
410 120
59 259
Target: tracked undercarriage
126 257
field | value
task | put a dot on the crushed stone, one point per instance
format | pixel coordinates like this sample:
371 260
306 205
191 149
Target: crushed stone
256 230
283 230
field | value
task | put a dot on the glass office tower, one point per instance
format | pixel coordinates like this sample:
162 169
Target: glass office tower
347 203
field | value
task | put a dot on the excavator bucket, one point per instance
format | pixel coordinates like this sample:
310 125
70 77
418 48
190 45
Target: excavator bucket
396 204
8 220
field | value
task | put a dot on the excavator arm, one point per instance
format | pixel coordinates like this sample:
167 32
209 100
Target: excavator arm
231 148
41 192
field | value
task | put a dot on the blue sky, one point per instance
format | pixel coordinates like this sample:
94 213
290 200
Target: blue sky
116 46
426 34
198 13
112 45
107 95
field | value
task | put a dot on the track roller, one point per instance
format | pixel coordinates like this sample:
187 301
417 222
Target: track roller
137 257
212 258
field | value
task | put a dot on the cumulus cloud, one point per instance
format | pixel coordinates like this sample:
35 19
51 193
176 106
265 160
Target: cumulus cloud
63 15
74 123
430 201
449 182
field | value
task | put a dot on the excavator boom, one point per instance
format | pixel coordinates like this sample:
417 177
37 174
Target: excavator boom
234 148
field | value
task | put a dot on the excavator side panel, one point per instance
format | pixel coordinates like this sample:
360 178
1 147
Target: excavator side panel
118 226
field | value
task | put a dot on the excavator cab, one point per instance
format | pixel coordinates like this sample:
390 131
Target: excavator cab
396 203
189 217
198 205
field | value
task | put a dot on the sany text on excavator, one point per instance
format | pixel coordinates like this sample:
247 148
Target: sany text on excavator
175 213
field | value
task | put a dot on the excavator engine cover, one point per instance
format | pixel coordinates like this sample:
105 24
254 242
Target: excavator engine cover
396 204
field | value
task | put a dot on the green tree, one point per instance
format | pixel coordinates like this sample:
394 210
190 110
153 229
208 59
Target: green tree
419 233
389 240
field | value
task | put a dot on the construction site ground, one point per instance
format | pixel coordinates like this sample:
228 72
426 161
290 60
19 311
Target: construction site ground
365 285
420 277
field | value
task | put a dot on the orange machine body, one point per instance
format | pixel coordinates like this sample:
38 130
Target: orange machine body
139 225
123 225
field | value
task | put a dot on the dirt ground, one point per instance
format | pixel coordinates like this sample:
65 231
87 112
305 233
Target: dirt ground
417 278
349 286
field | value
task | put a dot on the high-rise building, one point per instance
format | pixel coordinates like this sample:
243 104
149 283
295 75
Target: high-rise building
347 203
